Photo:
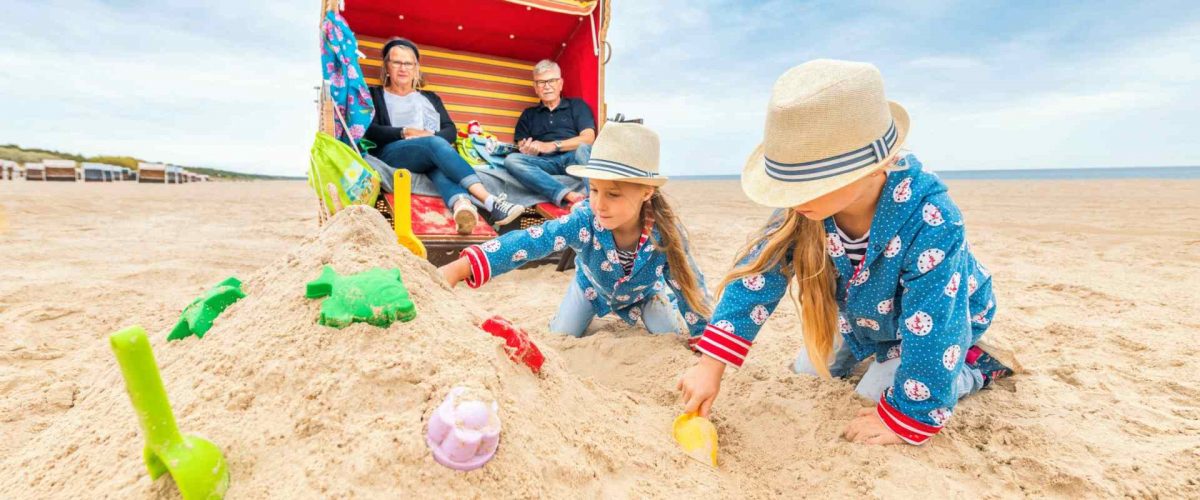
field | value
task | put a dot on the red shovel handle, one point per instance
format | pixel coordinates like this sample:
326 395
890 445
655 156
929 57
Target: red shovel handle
520 349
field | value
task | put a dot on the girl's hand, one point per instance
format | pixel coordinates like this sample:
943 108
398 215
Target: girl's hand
700 385
868 429
456 271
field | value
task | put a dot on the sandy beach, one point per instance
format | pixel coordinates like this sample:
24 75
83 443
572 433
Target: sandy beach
1098 286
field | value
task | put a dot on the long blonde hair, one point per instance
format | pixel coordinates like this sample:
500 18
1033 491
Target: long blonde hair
672 236
811 273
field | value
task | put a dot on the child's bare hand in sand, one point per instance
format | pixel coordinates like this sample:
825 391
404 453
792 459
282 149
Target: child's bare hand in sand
869 429
700 385
456 271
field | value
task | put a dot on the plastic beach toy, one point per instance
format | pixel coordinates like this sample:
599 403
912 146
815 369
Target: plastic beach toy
516 342
196 465
697 436
375 296
198 316
402 213
464 431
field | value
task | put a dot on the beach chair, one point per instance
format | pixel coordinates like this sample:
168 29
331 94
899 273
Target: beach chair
153 173
35 171
94 172
61 170
479 59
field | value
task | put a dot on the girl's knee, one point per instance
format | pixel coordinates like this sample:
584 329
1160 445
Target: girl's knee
570 327
664 324
803 365
878 378
662 317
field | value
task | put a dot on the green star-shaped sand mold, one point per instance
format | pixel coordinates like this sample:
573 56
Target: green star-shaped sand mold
198 316
375 296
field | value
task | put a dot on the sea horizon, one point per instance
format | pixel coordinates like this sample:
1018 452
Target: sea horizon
1080 173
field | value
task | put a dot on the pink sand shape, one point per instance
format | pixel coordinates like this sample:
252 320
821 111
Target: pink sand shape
464 433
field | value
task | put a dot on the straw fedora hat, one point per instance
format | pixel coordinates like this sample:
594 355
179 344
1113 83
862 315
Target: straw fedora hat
828 125
626 152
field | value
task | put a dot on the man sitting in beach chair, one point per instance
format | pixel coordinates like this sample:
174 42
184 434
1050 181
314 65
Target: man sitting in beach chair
551 136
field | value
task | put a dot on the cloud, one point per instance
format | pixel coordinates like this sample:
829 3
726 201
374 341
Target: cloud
195 84
946 63
229 84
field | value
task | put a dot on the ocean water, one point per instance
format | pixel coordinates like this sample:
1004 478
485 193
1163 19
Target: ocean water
1076 173
1039 174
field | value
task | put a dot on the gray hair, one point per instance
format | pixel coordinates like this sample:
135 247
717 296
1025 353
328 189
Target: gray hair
546 65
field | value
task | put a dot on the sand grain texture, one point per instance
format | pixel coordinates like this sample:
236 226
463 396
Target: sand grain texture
1097 289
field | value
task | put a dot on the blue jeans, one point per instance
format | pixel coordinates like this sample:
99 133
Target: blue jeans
435 157
575 313
535 171
880 375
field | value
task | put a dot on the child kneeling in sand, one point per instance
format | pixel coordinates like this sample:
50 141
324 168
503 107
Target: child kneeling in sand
877 250
632 251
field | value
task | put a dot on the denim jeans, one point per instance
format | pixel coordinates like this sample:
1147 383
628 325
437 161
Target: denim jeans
535 171
435 157
575 313
880 376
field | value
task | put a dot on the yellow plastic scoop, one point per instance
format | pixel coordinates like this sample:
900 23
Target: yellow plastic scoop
402 213
697 436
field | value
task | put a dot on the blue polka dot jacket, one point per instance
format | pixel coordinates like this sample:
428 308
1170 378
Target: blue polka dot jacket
597 267
919 295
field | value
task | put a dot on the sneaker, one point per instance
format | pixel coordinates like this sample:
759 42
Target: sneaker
504 211
990 367
465 217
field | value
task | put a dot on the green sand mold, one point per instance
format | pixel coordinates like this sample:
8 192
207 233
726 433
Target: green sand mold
198 317
375 296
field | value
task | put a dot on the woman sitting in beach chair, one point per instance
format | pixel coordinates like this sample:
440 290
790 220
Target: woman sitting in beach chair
413 131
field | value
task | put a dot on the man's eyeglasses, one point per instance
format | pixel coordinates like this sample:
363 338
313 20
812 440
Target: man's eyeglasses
402 64
546 83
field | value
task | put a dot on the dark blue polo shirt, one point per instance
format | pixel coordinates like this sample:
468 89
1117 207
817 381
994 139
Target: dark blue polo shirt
568 120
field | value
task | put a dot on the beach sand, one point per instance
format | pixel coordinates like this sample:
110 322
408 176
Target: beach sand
1097 282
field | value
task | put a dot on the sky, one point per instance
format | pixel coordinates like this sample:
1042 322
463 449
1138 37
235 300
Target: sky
988 84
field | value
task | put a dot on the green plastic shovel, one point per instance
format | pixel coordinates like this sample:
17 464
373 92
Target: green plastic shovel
195 464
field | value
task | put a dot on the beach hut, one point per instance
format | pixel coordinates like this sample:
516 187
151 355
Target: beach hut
95 172
152 173
35 171
479 57
8 170
173 174
61 170
127 174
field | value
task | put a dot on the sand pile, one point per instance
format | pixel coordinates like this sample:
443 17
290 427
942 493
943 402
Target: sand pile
304 410
1104 322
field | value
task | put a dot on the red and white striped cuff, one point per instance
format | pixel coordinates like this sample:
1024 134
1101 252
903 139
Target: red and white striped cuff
724 346
481 269
910 430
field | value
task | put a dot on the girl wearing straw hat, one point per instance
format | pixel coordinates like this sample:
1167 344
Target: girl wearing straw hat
877 251
632 251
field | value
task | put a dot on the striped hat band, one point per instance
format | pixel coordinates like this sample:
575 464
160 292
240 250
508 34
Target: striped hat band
618 168
865 156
